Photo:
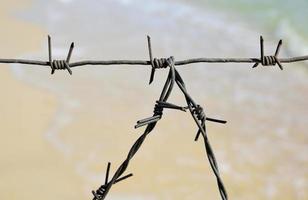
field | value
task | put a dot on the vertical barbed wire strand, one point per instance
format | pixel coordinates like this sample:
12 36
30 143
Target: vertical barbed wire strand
202 127
168 86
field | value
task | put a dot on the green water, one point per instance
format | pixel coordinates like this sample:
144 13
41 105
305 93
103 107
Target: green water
267 14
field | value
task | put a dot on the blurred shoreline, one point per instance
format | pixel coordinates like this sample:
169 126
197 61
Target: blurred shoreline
91 114
29 165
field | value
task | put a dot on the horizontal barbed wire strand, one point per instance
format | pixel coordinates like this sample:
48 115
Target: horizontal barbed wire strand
147 62
260 60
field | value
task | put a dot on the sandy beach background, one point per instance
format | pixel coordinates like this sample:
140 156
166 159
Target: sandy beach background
58 132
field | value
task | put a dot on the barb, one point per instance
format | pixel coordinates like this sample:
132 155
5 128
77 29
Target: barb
156 63
151 60
158 112
269 60
200 115
101 190
59 64
152 63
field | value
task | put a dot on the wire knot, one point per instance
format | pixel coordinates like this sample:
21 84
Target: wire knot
59 64
158 109
158 112
99 192
269 60
198 111
158 63
200 115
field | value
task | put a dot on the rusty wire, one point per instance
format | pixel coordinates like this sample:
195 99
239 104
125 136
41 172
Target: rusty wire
173 78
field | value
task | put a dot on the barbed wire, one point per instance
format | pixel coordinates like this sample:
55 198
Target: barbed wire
263 60
173 78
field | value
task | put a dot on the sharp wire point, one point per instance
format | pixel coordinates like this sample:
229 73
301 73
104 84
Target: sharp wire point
151 60
255 65
107 173
68 68
49 51
278 48
197 136
123 178
262 49
70 52
279 64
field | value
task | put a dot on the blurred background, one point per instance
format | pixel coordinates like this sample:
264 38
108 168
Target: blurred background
59 132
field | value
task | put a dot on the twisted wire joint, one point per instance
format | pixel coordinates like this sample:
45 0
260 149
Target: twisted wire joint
59 64
269 60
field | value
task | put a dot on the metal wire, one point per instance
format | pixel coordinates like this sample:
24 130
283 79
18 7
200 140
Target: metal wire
151 123
196 111
199 117
147 62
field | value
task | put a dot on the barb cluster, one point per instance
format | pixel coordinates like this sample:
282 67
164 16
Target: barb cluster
101 190
269 60
59 64
199 114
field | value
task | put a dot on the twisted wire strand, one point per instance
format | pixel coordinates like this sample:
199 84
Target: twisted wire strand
101 194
